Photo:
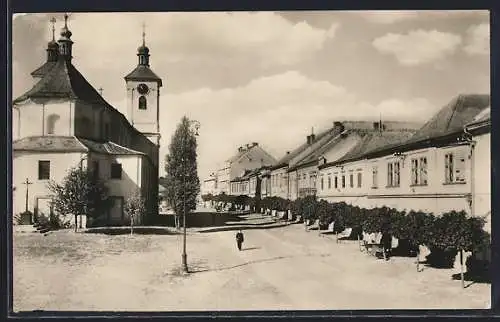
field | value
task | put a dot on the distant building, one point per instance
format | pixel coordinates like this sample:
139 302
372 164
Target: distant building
63 122
248 157
208 185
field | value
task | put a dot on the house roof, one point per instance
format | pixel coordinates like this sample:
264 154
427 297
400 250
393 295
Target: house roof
254 153
110 148
143 73
453 117
443 126
366 130
483 116
49 144
372 141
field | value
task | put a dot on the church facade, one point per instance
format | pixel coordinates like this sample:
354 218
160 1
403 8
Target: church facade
62 122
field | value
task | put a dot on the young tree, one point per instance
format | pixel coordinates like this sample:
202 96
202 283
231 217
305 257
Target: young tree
135 208
181 169
80 194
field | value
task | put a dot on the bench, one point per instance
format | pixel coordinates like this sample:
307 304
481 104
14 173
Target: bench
344 234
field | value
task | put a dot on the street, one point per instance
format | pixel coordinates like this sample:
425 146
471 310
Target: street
283 268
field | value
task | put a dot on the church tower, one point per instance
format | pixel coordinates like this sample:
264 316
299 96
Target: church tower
143 96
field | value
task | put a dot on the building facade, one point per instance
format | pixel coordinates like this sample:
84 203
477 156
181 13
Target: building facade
249 157
63 122
431 171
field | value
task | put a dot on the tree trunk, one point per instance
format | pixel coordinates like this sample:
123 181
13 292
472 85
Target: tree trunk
76 223
131 225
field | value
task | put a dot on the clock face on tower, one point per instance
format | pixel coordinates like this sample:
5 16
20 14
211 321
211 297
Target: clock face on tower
143 89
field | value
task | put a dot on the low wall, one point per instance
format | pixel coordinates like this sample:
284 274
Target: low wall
200 219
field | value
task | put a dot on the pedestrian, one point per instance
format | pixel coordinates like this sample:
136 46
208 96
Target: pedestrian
386 240
239 239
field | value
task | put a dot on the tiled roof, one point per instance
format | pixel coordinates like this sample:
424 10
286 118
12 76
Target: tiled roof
44 69
483 116
450 120
362 128
373 141
142 72
293 154
255 153
49 144
108 148
63 81
453 117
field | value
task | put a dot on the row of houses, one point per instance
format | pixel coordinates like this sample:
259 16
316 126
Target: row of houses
438 166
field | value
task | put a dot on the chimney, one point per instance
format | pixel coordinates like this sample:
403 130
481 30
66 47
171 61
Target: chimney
240 149
248 146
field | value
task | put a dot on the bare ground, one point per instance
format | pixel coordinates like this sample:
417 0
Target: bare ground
279 269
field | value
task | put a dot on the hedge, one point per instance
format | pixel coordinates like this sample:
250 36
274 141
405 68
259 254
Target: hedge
451 231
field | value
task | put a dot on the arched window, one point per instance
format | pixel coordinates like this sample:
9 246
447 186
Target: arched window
51 123
143 104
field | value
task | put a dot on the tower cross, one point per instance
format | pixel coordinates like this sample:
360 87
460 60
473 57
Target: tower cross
144 34
27 183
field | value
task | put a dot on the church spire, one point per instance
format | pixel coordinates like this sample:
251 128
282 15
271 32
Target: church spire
65 42
143 51
53 46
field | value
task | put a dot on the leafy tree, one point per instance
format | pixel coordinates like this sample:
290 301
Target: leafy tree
181 169
135 207
80 193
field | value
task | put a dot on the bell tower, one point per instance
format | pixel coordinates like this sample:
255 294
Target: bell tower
143 95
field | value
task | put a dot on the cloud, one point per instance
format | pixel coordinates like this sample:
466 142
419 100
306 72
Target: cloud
387 17
277 111
264 36
418 46
477 41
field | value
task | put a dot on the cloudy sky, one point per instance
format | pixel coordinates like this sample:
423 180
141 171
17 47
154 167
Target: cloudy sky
269 77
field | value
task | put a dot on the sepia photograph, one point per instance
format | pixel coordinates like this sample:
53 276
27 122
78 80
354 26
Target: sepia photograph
251 161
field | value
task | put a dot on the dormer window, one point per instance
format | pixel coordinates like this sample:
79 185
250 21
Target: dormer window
143 103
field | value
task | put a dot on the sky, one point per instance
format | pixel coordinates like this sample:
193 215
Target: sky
272 77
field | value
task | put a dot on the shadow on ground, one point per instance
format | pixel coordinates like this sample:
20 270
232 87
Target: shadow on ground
137 230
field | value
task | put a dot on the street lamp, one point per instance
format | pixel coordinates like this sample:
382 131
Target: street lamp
193 126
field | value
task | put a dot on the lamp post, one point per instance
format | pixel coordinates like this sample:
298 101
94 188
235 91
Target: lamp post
196 126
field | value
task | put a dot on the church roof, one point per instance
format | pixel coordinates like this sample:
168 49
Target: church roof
108 148
44 69
63 81
70 144
143 73
49 144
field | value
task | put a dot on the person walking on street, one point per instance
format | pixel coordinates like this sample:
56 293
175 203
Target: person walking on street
239 239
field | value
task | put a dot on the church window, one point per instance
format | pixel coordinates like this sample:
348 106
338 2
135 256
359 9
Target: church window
43 170
143 103
116 171
51 123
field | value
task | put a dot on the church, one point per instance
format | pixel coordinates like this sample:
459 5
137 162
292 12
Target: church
62 122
